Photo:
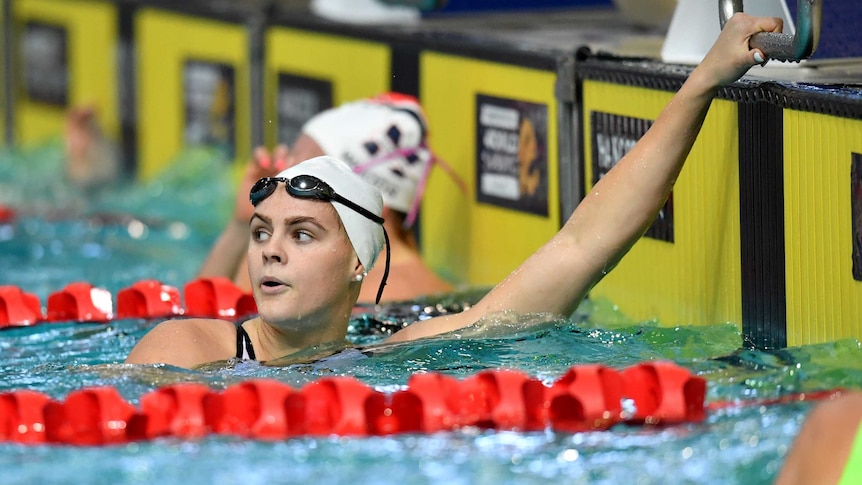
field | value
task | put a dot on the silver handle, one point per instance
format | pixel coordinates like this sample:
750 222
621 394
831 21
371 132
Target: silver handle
783 47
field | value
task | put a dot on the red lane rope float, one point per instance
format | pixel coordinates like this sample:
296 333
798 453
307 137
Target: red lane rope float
81 302
22 418
19 309
92 416
215 297
171 411
587 398
7 214
251 409
147 299
644 379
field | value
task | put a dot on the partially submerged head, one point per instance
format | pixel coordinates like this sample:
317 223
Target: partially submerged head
385 140
317 228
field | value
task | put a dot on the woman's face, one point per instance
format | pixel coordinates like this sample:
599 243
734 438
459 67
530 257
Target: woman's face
302 265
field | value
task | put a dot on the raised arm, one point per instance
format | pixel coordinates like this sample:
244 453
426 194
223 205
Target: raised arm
623 203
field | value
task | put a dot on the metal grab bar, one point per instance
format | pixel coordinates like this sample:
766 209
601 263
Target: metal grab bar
783 47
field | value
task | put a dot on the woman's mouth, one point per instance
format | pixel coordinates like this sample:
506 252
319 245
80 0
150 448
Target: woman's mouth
271 285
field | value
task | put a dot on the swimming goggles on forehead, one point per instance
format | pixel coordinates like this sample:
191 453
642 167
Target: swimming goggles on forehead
311 187
305 187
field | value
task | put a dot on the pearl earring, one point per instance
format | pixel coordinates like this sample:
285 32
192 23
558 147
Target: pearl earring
359 277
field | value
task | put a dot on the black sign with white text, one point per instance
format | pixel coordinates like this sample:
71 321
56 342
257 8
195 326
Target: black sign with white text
209 97
612 137
45 63
511 154
299 99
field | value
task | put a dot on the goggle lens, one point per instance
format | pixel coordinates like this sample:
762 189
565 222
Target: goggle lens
263 188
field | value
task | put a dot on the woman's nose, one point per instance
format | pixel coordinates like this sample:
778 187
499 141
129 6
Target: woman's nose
272 253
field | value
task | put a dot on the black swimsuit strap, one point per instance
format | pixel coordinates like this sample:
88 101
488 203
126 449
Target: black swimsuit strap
243 342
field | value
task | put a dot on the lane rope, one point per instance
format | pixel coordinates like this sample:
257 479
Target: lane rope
586 398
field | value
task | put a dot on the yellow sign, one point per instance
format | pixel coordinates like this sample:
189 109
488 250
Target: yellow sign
68 58
193 87
466 240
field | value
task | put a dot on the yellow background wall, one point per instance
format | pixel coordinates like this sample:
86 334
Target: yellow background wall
467 241
3 79
164 41
824 302
91 28
696 279
356 68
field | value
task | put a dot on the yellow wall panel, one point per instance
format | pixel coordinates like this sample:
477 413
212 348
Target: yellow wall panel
696 279
464 240
91 28
164 41
355 68
3 79
824 301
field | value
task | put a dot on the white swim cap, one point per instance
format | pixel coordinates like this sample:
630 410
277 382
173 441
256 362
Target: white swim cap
383 139
365 235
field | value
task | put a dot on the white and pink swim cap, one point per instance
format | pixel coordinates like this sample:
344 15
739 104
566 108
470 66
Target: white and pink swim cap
384 139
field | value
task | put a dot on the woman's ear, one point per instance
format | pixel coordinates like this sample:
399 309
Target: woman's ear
359 272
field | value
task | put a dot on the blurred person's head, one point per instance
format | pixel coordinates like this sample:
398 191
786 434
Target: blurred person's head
384 139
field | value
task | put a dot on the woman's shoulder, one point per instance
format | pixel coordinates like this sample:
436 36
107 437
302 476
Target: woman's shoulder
185 342
199 324
198 328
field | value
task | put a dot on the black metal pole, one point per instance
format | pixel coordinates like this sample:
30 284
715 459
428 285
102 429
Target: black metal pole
8 77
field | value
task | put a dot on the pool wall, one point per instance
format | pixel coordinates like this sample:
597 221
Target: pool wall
764 228
71 51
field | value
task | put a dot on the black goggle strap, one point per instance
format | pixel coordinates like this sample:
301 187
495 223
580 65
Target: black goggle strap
322 191
385 270
335 197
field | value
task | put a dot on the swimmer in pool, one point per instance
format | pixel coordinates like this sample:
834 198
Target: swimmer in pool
317 229
92 161
385 140
828 449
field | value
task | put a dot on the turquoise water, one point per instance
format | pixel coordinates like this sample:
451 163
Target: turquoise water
162 229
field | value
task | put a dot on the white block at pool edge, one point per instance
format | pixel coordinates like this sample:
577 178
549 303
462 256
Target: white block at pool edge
695 27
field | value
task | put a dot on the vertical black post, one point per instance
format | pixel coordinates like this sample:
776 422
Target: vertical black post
404 66
405 69
127 89
256 75
761 193
569 136
8 78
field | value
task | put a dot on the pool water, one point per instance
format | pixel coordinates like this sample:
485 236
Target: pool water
162 229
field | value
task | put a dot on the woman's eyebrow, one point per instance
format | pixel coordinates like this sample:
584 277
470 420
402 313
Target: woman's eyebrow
305 219
290 221
265 219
